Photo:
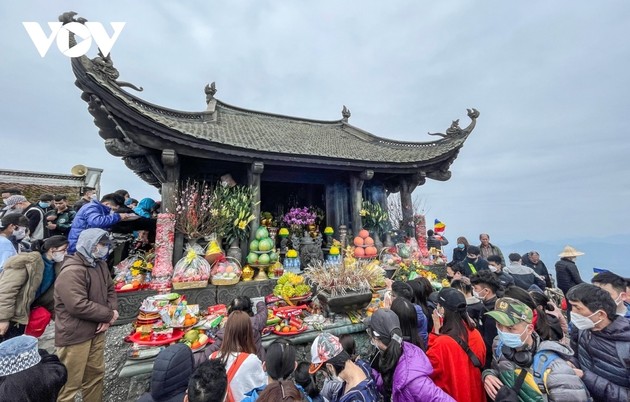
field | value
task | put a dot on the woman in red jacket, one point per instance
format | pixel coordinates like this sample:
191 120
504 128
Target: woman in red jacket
456 349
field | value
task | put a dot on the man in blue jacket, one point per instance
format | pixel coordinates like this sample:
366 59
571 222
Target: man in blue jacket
95 214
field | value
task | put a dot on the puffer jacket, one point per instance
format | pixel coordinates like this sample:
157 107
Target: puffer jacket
524 277
19 282
84 293
412 381
562 384
171 371
604 356
92 215
567 275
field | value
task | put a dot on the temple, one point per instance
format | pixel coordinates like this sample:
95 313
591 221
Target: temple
292 161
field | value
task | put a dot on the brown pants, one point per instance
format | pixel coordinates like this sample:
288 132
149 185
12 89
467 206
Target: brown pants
86 368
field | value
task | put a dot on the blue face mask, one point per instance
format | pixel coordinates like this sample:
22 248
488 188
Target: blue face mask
44 204
511 340
460 246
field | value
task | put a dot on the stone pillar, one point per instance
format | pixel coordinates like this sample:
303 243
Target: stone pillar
253 179
407 185
356 198
170 160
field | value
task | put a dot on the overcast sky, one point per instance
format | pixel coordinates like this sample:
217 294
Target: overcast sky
549 158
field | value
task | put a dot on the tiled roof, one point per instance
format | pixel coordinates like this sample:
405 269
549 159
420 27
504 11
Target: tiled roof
233 127
34 184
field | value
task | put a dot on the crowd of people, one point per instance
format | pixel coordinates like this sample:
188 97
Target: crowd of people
53 265
498 332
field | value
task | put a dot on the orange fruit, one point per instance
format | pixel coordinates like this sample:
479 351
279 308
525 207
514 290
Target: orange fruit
359 252
364 233
293 329
370 251
196 344
358 241
369 241
286 329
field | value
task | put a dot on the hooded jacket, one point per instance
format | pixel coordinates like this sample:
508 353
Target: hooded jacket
144 207
412 381
92 215
171 371
567 274
19 282
453 371
561 382
84 293
604 356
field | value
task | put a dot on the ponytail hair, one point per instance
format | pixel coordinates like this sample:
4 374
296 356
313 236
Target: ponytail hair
389 360
52 242
280 360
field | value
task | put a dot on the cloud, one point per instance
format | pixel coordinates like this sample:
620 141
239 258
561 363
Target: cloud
548 157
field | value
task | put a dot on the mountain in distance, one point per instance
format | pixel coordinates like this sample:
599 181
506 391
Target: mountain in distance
610 252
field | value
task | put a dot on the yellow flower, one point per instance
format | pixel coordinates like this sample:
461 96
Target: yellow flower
329 230
137 263
242 225
149 266
363 212
135 272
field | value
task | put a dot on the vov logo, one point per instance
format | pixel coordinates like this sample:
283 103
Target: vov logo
85 31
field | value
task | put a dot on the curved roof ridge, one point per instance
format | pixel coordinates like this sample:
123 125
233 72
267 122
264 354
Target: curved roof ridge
268 114
389 141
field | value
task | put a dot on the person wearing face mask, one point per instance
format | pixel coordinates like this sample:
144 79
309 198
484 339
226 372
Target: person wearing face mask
485 286
404 370
494 264
32 212
328 355
459 252
12 226
616 286
46 202
473 262
97 214
456 349
85 307
26 277
525 367
601 343
6 194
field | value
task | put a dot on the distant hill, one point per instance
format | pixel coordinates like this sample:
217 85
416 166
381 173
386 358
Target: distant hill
609 252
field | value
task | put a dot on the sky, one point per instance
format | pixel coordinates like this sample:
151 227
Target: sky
548 159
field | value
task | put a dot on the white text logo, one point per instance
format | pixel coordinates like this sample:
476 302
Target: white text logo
84 33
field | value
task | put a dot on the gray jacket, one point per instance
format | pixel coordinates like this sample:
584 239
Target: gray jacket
562 384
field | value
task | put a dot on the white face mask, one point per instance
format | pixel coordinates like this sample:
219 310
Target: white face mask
582 322
93 196
19 233
100 252
58 256
493 268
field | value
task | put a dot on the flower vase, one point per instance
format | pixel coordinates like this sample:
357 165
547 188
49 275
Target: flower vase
235 250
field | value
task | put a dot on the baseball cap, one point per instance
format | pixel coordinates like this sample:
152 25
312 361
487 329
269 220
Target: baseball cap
509 312
13 201
382 322
452 299
324 347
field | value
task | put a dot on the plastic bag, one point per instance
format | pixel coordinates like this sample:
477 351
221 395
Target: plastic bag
192 267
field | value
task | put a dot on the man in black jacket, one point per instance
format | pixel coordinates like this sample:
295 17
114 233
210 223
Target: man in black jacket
473 263
485 286
601 343
532 260
567 274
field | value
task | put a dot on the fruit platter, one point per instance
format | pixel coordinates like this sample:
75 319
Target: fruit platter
226 271
291 287
287 320
148 335
196 339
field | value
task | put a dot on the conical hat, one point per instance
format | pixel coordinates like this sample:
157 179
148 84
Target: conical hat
570 252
